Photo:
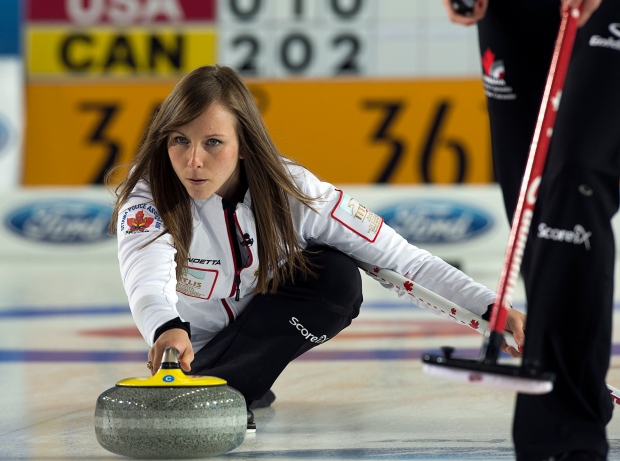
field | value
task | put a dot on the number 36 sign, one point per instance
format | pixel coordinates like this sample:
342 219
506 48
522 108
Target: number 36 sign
346 131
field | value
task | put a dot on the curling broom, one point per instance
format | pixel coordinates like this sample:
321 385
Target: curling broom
425 298
486 370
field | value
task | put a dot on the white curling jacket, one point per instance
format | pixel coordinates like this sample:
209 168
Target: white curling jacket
216 286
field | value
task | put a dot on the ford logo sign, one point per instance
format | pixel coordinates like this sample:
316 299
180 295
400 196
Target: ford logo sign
436 221
61 221
5 133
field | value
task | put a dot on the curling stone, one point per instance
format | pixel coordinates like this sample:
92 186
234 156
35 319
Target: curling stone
170 415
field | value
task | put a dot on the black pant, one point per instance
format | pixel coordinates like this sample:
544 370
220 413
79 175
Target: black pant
274 329
569 262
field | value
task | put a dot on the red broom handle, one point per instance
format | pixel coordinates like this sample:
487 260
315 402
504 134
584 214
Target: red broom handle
534 169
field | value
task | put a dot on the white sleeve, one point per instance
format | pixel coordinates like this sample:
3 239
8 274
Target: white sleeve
341 222
147 269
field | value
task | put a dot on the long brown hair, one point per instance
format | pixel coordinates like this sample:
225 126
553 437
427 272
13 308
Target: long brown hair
268 179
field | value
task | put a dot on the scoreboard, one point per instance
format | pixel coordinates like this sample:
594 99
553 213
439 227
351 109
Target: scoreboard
359 91
70 38
326 38
309 38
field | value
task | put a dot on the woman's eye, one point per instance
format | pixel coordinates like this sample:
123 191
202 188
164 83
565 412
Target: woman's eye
213 142
180 139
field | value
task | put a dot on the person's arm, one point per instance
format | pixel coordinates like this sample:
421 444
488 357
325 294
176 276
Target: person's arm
343 224
480 7
148 270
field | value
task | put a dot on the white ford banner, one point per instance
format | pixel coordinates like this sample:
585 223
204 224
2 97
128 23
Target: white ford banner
11 120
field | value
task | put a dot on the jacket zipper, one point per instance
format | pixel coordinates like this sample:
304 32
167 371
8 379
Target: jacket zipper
236 253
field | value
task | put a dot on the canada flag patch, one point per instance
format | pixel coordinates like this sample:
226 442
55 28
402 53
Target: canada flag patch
139 222
139 219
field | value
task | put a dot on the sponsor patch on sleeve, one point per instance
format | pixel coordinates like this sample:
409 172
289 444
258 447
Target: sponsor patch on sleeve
197 283
139 219
357 218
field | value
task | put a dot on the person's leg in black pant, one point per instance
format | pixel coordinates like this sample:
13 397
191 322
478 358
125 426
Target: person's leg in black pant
569 261
568 332
276 328
569 271
516 41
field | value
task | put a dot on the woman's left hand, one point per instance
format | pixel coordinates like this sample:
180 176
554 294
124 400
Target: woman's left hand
515 324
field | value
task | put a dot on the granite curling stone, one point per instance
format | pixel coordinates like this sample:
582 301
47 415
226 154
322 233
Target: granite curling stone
170 415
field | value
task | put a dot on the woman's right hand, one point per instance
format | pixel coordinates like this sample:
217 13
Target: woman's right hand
175 337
